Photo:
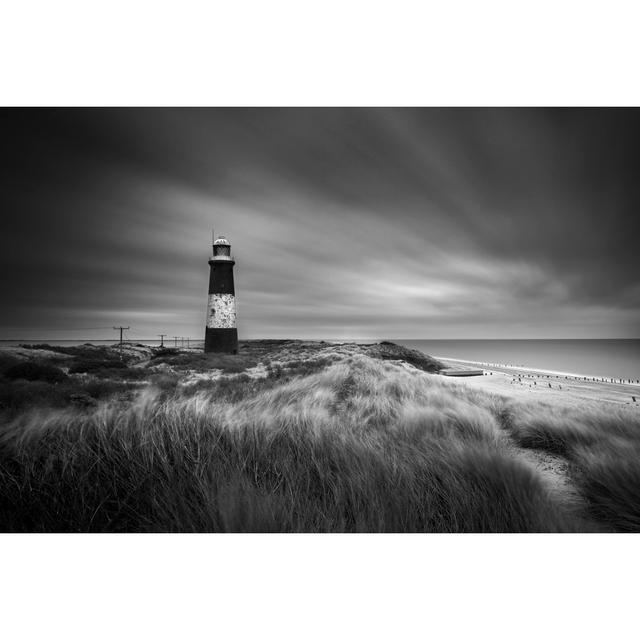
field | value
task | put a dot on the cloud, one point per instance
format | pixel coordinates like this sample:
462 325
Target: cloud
344 222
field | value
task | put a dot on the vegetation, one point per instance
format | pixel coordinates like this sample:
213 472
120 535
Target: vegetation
391 351
603 446
198 361
35 371
45 380
93 365
19 396
303 437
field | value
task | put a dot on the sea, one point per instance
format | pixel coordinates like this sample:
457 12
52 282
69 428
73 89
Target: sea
608 358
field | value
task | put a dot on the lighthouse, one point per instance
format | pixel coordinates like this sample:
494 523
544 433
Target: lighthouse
221 334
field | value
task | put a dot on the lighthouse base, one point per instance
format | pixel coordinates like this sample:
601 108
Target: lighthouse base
221 340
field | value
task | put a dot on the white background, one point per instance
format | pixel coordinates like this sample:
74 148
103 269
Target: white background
327 52
319 586
318 53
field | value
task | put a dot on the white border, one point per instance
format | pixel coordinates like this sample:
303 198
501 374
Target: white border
322 586
329 52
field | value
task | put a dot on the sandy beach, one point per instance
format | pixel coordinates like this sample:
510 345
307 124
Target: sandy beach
512 381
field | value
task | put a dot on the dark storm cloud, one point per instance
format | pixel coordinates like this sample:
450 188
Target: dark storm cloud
344 222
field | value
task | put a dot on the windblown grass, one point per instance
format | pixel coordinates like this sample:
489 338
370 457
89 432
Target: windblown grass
35 371
603 446
360 445
206 361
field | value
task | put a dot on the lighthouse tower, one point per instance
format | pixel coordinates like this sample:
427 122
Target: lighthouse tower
221 334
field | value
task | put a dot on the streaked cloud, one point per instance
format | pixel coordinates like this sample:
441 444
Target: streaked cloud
344 222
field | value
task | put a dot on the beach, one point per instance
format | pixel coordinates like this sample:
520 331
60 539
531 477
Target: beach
546 385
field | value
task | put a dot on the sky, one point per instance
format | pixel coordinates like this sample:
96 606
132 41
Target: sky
374 223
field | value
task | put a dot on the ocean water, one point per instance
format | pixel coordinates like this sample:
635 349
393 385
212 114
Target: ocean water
598 358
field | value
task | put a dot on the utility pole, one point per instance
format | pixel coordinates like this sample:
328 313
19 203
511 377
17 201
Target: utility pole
182 342
188 347
162 335
121 329
175 341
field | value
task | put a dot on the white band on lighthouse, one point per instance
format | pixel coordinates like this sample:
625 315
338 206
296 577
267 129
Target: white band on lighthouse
221 311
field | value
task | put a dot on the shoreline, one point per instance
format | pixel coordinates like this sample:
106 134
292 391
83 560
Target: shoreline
544 372
550 386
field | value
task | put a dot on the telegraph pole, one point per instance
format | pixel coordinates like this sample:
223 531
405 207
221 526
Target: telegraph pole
121 329
162 335
175 341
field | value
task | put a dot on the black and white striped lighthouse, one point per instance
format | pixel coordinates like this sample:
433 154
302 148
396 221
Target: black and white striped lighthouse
221 334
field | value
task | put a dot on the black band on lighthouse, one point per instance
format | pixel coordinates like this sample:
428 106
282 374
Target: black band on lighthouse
221 277
221 340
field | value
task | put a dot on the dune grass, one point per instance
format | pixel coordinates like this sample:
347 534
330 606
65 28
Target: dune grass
603 446
197 361
357 445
